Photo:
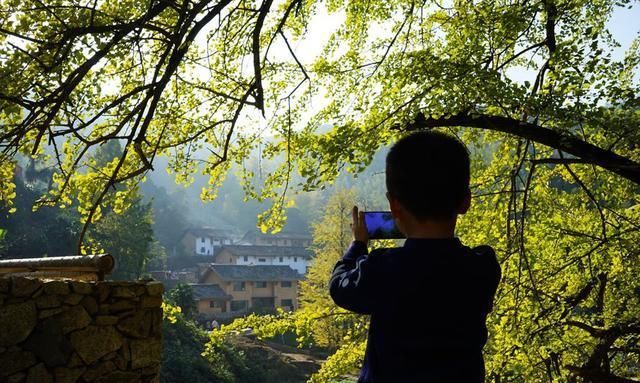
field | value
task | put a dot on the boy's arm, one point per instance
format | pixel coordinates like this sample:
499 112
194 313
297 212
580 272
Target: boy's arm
353 279
492 273
496 272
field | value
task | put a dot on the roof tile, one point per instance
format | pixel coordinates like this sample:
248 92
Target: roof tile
256 273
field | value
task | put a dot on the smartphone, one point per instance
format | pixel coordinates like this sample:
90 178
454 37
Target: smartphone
381 225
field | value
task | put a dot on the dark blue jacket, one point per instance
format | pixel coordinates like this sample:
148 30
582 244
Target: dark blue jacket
428 302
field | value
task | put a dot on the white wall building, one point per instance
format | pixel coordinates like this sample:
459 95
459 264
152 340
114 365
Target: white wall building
208 245
295 257
206 241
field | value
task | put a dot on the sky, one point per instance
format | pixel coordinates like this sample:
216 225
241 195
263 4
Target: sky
625 24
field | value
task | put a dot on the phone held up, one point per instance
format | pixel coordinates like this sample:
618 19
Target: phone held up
381 225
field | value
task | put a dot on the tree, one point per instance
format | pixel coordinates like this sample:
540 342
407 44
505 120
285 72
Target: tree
3 233
183 360
128 236
331 235
143 74
170 213
182 296
50 231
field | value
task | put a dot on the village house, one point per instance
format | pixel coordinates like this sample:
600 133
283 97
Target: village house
228 291
231 277
205 240
283 238
210 299
295 257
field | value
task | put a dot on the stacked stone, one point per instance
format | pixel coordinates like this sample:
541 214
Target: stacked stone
67 331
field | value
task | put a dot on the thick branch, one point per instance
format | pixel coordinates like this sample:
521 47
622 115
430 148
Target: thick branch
562 141
550 25
257 68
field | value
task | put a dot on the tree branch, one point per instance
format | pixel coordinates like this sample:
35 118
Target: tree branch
257 68
559 140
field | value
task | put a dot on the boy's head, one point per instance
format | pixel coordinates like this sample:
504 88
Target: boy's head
428 174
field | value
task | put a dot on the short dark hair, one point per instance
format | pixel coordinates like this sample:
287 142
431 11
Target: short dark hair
428 173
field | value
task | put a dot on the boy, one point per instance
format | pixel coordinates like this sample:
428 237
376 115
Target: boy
429 299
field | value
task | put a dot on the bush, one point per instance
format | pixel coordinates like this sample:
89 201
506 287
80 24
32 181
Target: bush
182 360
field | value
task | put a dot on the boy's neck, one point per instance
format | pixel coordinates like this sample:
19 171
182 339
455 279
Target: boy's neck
431 229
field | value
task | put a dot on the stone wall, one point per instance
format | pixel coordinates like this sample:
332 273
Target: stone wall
78 332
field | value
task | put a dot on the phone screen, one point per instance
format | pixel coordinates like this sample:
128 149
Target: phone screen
381 225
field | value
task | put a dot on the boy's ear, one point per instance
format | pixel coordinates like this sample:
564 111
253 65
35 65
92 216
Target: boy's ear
394 206
466 203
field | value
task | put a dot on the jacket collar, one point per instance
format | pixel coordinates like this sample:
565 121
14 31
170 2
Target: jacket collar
412 243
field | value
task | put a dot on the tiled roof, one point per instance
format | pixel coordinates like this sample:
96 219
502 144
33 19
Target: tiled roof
266 273
207 291
181 262
281 235
268 251
207 232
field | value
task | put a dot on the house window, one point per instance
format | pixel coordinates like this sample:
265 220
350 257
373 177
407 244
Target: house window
202 240
295 259
212 304
285 283
286 303
238 286
246 259
262 259
230 260
239 305
281 259
202 249
261 285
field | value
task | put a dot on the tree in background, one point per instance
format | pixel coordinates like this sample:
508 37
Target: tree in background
183 360
53 230
170 212
331 236
48 231
3 233
128 236
182 296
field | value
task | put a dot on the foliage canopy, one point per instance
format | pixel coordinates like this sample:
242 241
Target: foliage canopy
181 79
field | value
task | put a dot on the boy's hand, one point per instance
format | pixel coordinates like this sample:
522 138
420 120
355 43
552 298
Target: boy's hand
359 227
